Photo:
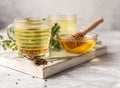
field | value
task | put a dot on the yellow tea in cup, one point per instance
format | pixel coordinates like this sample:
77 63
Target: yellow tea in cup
32 36
66 22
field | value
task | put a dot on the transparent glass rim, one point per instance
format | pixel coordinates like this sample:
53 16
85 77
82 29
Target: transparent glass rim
91 36
30 20
63 17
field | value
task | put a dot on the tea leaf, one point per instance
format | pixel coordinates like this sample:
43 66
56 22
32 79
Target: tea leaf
1 37
7 44
4 46
55 31
54 35
54 26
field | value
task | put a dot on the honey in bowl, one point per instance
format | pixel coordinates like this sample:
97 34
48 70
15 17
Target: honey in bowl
80 45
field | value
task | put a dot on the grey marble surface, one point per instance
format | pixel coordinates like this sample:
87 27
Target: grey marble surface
101 72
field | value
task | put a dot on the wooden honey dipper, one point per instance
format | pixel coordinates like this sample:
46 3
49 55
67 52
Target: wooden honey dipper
89 28
76 36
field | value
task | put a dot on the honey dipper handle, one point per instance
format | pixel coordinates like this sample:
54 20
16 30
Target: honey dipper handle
92 25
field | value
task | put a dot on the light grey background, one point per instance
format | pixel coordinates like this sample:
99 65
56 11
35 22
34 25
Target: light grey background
86 10
102 74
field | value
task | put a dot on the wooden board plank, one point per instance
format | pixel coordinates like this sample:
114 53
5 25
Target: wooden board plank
62 60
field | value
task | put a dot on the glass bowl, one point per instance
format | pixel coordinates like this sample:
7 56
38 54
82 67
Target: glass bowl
80 45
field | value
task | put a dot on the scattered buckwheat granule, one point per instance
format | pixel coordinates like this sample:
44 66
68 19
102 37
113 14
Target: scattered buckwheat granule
45 80
8 74
45 85
16 83
40 61
33 77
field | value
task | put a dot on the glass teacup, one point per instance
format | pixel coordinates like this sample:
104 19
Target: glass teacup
66 22
32 36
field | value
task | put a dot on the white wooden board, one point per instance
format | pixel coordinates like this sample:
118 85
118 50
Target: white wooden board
63 60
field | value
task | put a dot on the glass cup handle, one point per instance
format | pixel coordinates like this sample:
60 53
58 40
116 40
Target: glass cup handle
10 32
